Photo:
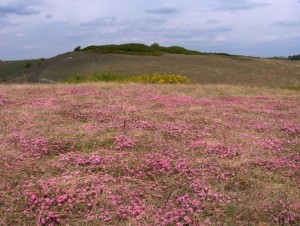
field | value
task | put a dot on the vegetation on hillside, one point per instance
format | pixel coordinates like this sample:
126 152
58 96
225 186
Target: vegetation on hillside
109 77
294 57
155 50
139 49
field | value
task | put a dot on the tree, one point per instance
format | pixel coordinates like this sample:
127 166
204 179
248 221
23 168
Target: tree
39 63
78 48
155 45
294 57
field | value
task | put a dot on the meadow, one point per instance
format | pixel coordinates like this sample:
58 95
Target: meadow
146 154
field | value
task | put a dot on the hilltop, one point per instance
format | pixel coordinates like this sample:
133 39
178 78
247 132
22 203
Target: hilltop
128 59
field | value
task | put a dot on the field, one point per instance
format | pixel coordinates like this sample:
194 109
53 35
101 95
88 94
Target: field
135 154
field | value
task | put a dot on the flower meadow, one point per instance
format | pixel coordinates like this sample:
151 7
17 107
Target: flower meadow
133 154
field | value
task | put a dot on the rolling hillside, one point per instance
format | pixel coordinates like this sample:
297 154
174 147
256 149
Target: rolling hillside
201 69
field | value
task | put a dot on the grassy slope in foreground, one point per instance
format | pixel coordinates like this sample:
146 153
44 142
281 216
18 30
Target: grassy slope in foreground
115 154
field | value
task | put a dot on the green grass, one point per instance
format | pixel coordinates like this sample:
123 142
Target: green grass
108 77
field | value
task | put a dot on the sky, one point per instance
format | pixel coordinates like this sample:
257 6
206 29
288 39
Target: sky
44 28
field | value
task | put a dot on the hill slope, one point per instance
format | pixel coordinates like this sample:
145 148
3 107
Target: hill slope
12 69
202 69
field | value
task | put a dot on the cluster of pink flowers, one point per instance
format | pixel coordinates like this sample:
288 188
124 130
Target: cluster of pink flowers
271 144
284 212
290 161
292 129
3 101
38 147
223 151
123 143
215 149
80 160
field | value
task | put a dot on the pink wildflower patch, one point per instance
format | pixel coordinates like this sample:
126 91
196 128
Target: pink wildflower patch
291 129
271 144
123 143
80 160
223 151
3 102
290 161
284 213
38 147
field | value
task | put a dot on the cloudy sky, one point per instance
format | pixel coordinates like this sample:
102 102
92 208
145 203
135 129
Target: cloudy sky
45 28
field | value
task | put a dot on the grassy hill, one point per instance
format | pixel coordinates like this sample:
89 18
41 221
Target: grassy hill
136 59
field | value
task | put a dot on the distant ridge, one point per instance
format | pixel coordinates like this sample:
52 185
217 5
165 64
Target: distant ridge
140 59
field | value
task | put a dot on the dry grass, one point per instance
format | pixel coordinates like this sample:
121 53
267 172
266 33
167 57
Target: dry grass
131 154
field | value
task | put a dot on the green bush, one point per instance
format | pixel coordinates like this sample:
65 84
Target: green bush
152 78
179 50
28 65
155 45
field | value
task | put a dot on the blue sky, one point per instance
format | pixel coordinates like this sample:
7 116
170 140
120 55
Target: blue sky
45 28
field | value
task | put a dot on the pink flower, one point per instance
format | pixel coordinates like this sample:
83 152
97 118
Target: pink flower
123 143
187 219
62 198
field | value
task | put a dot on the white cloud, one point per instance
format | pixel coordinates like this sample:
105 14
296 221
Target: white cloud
48 16
18 7
287 24
162 10
236 5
